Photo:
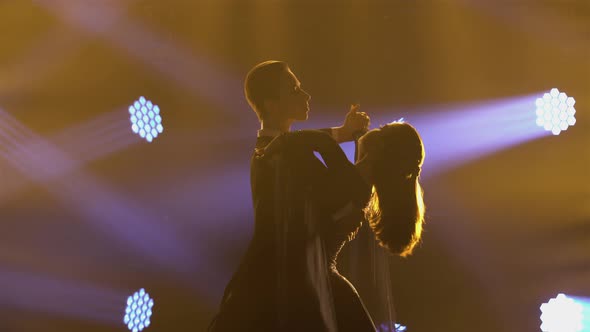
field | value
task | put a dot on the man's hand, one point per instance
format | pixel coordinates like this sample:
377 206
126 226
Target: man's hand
354 122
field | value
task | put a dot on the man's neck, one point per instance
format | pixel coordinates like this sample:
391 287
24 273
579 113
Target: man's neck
276 126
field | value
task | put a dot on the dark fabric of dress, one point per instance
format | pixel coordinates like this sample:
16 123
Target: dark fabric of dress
287 280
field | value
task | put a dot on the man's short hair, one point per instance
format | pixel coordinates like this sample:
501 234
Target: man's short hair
263 83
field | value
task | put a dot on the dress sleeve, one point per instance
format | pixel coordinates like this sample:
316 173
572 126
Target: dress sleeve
339 184
333 186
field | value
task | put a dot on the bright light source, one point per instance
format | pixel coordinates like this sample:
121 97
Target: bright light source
138 311
146 120
561 314
555 111
387 327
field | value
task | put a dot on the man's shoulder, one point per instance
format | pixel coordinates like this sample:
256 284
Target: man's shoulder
263 141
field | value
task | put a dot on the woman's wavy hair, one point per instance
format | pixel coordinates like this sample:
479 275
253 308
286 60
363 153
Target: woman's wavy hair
396 209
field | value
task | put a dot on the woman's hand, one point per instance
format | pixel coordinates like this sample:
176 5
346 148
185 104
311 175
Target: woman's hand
355 123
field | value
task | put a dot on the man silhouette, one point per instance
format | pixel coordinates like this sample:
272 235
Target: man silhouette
250 300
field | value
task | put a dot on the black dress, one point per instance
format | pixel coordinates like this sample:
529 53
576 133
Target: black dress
305 211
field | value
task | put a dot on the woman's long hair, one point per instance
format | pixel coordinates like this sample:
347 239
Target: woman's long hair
396 209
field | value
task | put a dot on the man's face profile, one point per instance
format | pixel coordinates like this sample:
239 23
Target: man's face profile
293 100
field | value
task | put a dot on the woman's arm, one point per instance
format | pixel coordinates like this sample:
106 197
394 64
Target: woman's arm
341 188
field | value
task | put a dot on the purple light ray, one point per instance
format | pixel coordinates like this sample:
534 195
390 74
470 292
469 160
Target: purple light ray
62 297
218 205
43 58
97 128
475 131
193 72
110 211
227 193
89 141
457 134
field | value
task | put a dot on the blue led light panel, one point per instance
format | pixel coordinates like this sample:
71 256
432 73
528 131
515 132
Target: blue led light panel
138 311
146 120
555 111
561 314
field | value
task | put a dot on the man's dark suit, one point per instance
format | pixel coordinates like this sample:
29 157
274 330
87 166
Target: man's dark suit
270 290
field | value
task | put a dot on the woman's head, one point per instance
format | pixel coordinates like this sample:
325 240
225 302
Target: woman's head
393 157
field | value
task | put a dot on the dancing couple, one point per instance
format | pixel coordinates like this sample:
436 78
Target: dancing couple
307 209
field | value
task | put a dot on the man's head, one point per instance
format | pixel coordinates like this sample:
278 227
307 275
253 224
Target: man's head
274 92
